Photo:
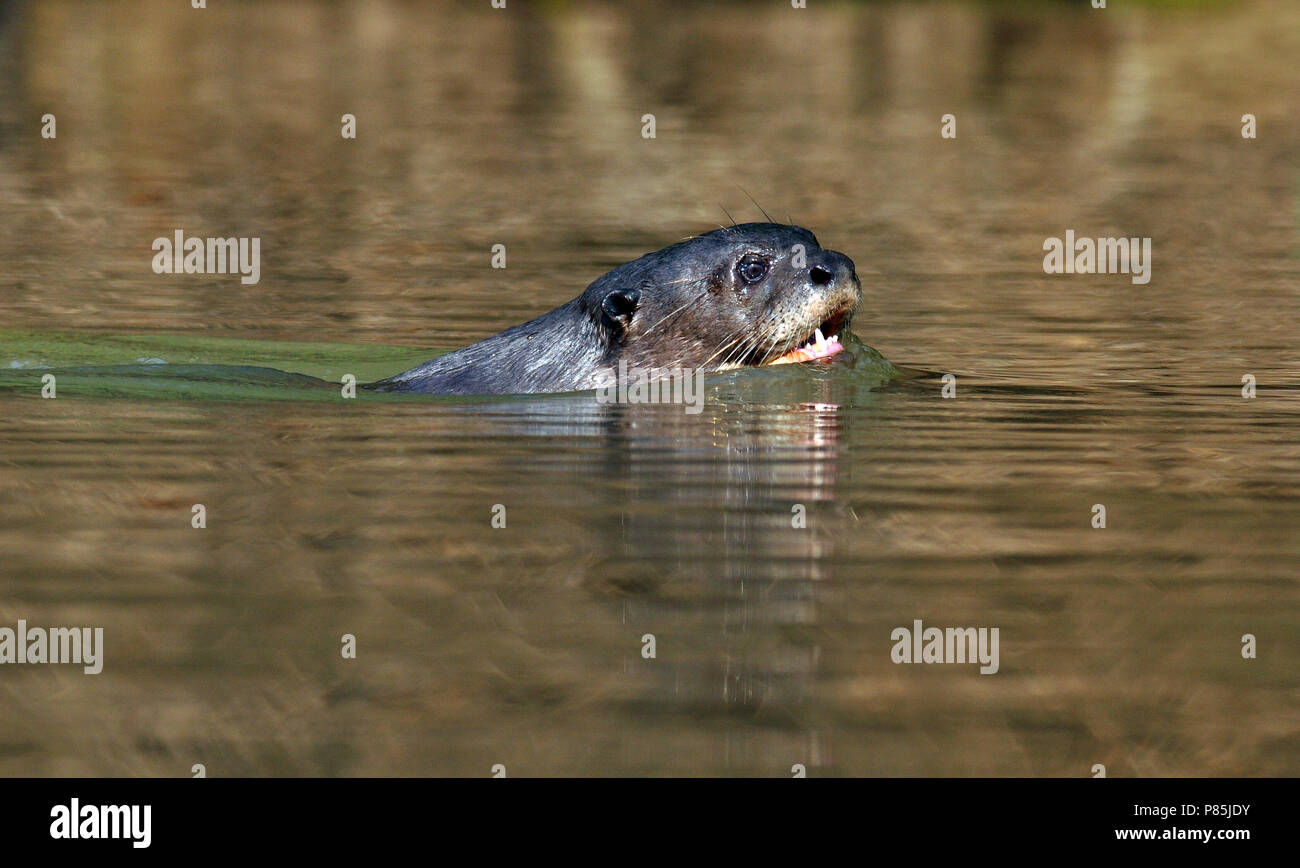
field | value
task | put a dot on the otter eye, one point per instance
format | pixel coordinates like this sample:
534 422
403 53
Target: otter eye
752 268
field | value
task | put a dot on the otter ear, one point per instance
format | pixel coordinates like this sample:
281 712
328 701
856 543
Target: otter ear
619 306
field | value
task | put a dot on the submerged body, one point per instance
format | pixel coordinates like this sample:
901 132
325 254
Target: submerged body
747 295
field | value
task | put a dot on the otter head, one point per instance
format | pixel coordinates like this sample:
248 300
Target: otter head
753 294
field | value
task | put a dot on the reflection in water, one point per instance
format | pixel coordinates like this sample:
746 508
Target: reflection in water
523 645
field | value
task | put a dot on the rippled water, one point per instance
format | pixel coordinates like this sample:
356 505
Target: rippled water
523 645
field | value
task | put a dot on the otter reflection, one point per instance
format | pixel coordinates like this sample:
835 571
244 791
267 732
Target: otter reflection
707 537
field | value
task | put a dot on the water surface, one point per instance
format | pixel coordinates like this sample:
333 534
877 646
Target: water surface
523 645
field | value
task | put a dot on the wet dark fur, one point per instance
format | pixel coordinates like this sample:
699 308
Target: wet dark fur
688 306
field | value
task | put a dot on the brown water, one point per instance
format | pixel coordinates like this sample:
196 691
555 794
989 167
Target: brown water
522 646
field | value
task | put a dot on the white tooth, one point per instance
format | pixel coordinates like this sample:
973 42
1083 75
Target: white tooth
821 339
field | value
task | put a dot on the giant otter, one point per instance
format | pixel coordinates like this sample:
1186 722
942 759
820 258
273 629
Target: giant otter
752 294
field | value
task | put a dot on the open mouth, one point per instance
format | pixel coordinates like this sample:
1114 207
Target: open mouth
822 343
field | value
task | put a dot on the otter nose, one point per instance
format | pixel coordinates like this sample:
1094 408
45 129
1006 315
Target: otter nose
841 265
820 275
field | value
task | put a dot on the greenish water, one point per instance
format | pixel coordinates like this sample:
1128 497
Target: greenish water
160 367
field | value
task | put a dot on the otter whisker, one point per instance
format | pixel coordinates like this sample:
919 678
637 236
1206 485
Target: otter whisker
683 307
745 348
724 346
686 304
745 345
769 355
756 205
729 341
